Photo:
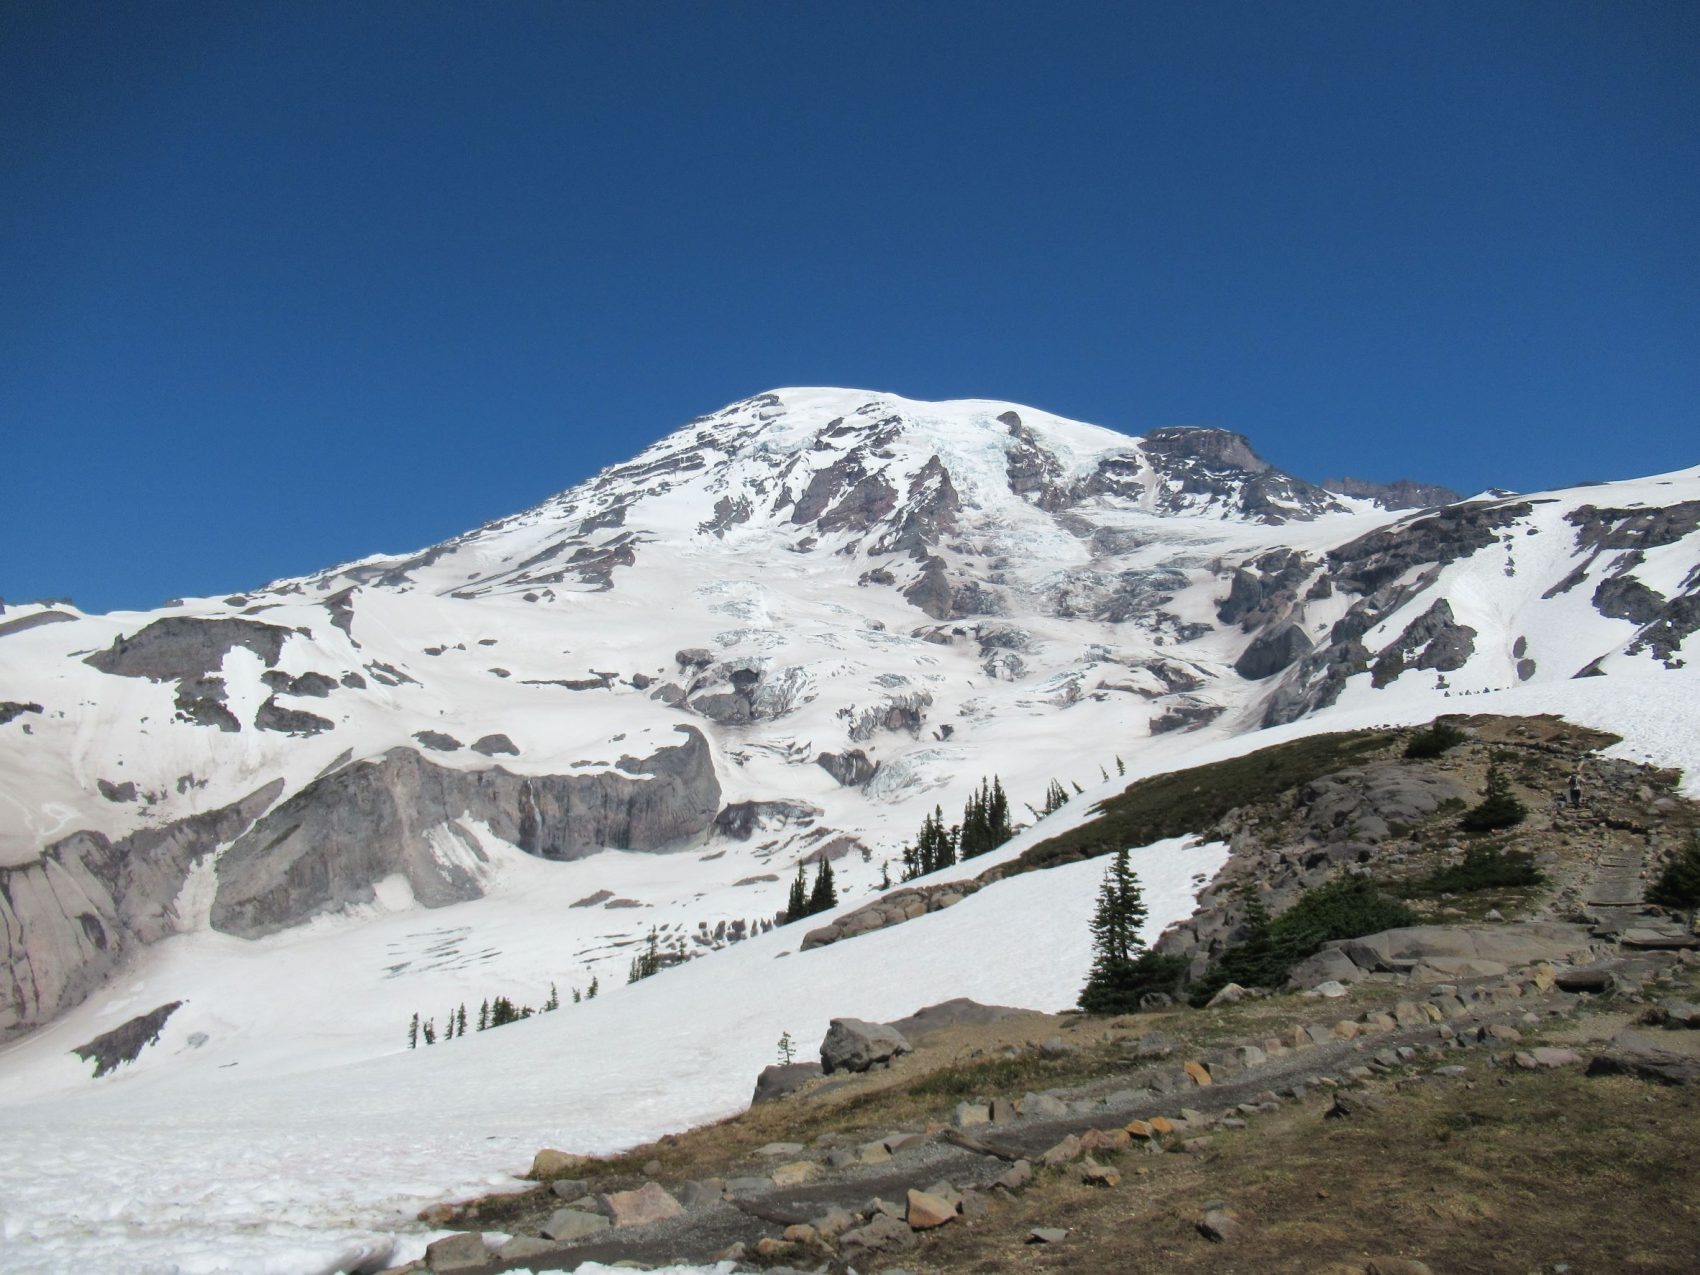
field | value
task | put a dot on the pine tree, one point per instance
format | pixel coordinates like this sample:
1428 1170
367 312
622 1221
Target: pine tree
1121 766
413 1033
1118 917
460 1020
825 893
797 905
997 814
576 997
1056 797
449 1025
647 963
787 1049
430 1032
590 993
484 1016
554 1001
885 874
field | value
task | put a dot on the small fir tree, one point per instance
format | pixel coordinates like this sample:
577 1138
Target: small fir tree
1499 809
577 997
787 1049
1678 885
554 1001
460 1020
590 992
413 1033
1056 797
484 1015
797 905
825 893
429 1031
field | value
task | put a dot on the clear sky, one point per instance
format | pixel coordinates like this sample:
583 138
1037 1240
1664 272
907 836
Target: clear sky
283 284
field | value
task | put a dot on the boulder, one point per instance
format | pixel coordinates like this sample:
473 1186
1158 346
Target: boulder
565 1225
457 1253
550 1163
795 1173
649 1203
783 1078
1330 965
882 1232
854 1045
927 1211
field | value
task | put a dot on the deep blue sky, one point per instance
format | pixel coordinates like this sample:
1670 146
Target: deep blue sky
287 283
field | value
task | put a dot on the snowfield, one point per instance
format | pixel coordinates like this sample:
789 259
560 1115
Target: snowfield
263 1156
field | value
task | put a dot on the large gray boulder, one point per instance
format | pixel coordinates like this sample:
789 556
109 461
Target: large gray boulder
329 845
780 1079
854 1045
1453 947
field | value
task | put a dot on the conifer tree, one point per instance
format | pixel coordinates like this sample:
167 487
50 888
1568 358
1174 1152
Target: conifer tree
460 1020
825 893
1056 797
1118 917
484 1016
576 997
1121 766
590 993
797 905
413 1033
449 1025
885 874
554 1001
787 1049
430 1032
997 814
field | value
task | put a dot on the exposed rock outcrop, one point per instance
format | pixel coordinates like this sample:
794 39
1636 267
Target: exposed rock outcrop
327 846
67 918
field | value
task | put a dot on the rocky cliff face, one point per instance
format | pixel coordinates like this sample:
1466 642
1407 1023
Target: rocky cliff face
327 847
68 919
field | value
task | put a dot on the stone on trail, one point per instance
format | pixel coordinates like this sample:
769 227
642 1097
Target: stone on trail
1094 1174
649 1203
1016 1176
873 1153
780 1148
1047 1235
524 1248
970 1113
1064 1151
1199 1073
1041 1106
1002 1111
881 1232
795 1173
569 1188
926 1210
462 1252
573 1224
1218 1225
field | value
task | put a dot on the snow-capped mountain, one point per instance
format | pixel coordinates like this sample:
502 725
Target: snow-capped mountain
786 629
784 632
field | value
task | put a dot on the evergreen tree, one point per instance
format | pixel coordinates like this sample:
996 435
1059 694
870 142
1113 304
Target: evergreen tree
484 1016
576 997
430 1032
997 814
554 1001
787 1049
449 1025
1499 809
413 1033
885 874
590 993
1121 766
1056 797
1122 970
647 963
797 905
825 893
460 1020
